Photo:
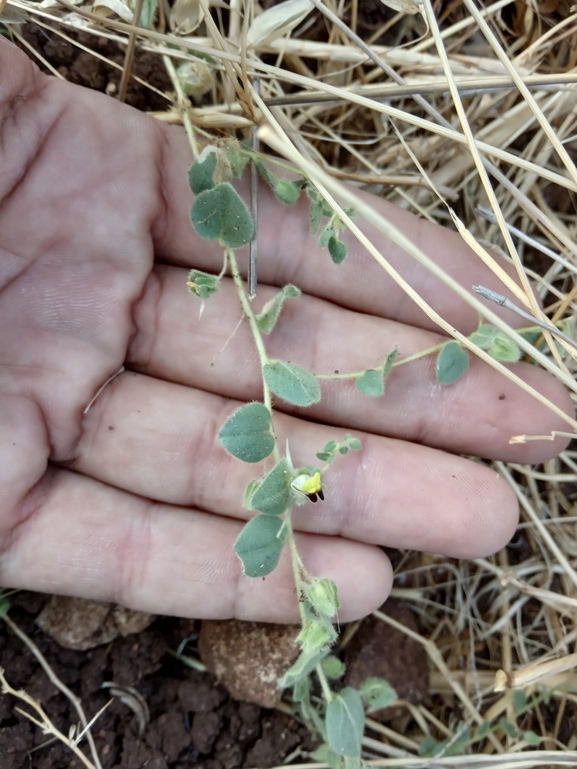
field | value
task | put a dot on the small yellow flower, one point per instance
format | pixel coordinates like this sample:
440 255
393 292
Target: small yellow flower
313 485
309 485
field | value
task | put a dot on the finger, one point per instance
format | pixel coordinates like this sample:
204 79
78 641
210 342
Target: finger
288 253
80 537
477 414
159 440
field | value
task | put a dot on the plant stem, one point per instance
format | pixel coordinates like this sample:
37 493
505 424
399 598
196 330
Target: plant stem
257 336
418 355
183 104
327 694
296 563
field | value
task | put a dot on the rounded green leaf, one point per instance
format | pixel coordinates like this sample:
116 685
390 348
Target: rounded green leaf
337 249
200 176
273 495
292 383
452 363
532 739
345 721
260 544
371 383
483 337
221 214
333 667
377 693
504 349
247 433
287 192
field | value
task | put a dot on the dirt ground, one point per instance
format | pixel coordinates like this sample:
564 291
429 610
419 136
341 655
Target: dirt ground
193 721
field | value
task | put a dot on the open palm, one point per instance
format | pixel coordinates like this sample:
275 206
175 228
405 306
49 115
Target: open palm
134 500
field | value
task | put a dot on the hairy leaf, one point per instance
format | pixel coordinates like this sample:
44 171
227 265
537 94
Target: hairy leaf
452 363
260 544
273 495
200 176
345 722
371 383
292 383
269 314
337 249
247 434
377 693
221 214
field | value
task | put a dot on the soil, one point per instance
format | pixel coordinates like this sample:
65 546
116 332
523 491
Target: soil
193 720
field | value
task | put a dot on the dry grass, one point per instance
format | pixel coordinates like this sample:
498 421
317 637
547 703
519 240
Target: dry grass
457 96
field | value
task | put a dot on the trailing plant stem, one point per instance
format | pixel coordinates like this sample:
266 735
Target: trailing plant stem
183 104
327 694
297 564
257 336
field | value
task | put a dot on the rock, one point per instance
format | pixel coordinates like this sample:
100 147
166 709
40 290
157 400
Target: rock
78 623
249 657
377 649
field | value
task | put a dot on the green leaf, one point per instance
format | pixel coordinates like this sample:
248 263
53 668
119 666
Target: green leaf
238 160
452 363
287 192
148 13
4 606
337 249
326 235
315 635
519 700
343 449
377 693
247 434
269 314
202 284
484 730
324 596
273 495
305 663
428 746
532 739
316 215
200 176
505 350
509 728
270 178
302 690
324 456
345 722
354 444
249 493
220 214
292 383
325 755
531 334
485 335
333 667
260 544
371 383
388 364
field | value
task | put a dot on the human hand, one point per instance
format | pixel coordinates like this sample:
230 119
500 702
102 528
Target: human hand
135 501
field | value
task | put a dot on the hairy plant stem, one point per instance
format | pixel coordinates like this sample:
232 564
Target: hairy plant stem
257 336
297 564
356 374
327 694
183 104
